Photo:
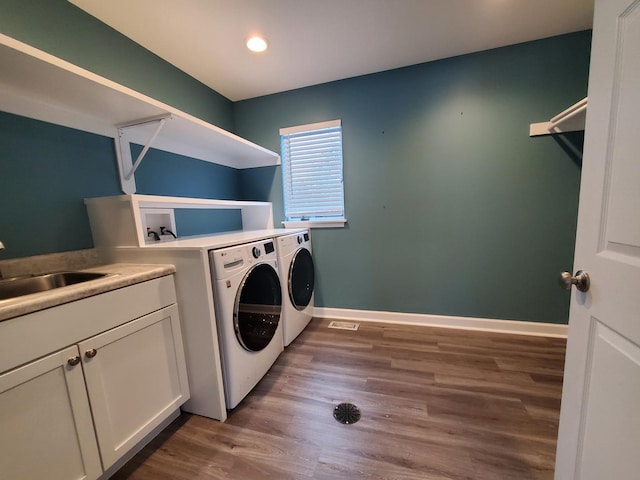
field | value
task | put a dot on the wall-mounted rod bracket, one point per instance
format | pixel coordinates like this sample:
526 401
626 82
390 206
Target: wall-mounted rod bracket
123 141
572 112
569 120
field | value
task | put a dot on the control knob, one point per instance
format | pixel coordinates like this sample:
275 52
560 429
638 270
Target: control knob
256 252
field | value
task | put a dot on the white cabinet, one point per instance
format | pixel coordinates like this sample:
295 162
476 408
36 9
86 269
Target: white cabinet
136 377
75 413
47 430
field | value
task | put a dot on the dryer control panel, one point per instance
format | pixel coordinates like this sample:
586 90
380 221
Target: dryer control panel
290 243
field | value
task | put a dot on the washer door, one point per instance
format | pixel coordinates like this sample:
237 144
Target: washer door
301 279
256 313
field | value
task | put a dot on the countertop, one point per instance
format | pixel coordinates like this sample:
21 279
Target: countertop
119 275
225 239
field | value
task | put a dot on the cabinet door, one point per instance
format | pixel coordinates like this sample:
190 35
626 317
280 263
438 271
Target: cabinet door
46 429
136 377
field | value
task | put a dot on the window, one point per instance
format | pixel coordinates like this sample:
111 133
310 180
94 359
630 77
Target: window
312 174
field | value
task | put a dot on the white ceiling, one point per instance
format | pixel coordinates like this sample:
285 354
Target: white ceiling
317 41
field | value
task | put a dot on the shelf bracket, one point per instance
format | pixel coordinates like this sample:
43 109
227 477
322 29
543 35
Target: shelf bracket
123 141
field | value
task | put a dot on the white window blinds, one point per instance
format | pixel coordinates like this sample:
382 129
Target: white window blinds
312 171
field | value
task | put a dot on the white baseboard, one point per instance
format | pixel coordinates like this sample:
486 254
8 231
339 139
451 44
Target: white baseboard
466 323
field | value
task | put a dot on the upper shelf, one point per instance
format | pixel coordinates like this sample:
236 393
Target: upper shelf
570 120
38 85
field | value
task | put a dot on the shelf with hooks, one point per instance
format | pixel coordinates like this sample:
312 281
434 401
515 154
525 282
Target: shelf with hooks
570 120
38 85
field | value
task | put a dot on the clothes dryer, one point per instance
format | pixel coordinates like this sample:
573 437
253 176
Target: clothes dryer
248 299
298 276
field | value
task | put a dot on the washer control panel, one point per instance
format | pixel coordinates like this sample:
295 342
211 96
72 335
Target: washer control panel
269 248
231 259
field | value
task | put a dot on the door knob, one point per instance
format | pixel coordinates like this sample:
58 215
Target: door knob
580 280
73 361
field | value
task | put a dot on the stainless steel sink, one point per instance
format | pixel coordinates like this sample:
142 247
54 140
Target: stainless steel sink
19 286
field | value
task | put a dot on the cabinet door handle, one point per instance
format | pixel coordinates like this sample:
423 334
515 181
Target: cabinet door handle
91 353
73 361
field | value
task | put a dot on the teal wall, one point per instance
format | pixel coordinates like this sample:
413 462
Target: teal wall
204 222
452 208
45 173
47 170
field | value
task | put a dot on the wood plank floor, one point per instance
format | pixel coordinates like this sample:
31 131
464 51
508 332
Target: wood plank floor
436 404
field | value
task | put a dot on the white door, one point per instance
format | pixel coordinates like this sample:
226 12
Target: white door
599 435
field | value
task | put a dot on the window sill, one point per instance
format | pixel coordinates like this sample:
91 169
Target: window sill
334 223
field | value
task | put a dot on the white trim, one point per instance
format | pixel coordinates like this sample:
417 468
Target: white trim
310 126
466 323
333 223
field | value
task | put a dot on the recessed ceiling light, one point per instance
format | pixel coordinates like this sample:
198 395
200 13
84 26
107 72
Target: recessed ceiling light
257 44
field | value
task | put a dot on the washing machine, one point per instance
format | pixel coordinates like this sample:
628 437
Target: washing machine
297 274
248 302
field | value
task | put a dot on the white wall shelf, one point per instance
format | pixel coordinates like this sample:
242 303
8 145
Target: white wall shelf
570 120
38 85
121 221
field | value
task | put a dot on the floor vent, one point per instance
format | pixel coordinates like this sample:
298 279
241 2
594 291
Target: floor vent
344 325
346 413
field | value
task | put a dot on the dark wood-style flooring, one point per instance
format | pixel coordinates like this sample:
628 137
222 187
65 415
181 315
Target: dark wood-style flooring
436 404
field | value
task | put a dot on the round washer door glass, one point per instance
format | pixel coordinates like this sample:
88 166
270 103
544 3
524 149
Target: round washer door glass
301 278
257 309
